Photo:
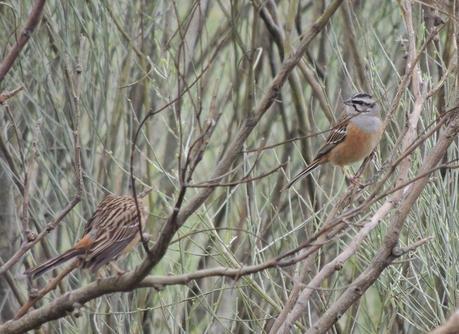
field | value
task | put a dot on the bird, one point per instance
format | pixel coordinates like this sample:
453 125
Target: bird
353 138
112 230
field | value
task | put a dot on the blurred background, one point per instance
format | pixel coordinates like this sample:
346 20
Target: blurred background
211 61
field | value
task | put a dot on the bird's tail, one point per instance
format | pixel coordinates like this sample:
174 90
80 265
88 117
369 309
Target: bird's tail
313 165
64 257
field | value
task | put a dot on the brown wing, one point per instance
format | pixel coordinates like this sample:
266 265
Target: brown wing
337 135
113 226
99 214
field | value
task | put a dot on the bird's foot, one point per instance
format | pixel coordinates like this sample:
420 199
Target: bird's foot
355 181
117 269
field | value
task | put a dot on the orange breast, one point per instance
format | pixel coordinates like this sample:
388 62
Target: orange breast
356 146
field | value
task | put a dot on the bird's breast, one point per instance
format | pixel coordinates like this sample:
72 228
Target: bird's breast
357 145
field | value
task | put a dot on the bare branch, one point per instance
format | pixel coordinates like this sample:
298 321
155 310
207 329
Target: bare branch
35 297
386 254
7 95
31 23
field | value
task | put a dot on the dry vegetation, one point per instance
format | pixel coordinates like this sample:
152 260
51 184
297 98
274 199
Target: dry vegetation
216 105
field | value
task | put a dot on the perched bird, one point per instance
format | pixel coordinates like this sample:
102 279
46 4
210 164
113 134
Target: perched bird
353 138
111 231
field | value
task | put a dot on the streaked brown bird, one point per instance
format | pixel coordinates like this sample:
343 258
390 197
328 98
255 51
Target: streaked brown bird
111 231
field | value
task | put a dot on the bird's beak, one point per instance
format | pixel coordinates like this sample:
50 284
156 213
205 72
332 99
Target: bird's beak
348 102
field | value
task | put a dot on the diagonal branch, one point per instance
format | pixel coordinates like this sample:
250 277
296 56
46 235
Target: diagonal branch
66 303
31 24
266 102
388 251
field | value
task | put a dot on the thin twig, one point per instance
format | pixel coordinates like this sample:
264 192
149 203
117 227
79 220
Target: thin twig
7 95
235 183
26 232
51 286
31 23
61 305
28 244
137 133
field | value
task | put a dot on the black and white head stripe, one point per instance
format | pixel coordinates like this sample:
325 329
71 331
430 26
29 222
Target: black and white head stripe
361 102
363 99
